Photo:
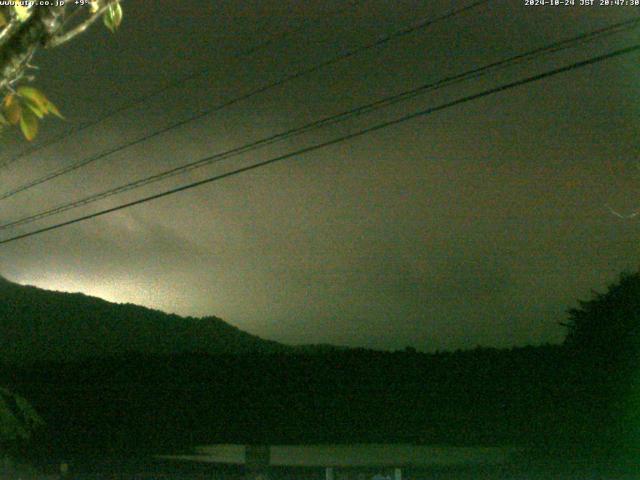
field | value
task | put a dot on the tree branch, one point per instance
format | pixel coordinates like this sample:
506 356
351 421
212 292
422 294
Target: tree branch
8 31
22 44
64 38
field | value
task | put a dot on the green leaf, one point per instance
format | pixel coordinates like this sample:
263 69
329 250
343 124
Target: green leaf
36 99
51 108
33 94
29 124
35 108
12 109
113 16
22 12
3 20
18 419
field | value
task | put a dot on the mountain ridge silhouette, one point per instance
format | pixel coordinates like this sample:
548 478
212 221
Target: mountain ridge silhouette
38 325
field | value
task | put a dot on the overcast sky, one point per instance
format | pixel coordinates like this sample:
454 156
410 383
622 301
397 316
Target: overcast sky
478 225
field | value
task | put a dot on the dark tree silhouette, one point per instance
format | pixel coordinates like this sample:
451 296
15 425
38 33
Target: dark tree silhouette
605 331
603 351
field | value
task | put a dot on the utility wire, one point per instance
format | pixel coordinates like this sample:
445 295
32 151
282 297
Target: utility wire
283 80
187 78
318 146
333 119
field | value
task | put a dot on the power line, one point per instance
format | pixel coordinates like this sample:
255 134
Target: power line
318 146
286 79
192 76
333 119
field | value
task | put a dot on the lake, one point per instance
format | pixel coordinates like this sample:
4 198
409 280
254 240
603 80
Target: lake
355 455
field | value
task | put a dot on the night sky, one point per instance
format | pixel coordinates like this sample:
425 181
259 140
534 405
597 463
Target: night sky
478 225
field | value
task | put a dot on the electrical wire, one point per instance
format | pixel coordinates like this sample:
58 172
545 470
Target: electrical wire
350 136
283 80
155 93
333 119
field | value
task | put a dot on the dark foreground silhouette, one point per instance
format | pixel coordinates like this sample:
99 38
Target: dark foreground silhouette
577 399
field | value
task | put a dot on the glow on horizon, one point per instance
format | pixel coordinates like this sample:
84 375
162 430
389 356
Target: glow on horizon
109 289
